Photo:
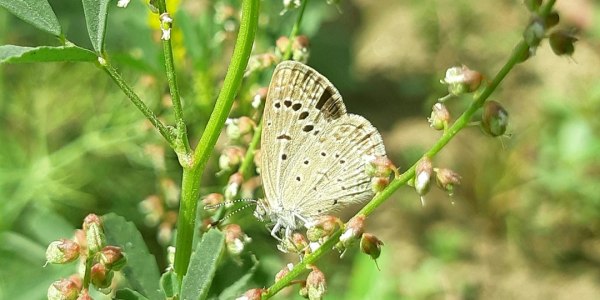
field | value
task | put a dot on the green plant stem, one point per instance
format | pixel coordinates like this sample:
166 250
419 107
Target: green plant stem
248 162
135 99
294 32
381 197
182 145
190 191
89 261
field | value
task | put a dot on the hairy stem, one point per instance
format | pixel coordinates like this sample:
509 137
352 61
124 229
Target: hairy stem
135 99
381 197
191 175
182 145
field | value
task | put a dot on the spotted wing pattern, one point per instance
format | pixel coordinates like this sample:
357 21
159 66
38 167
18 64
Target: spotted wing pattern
313 152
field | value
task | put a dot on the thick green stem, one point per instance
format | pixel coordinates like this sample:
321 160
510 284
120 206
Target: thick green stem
182 143
135 99
478 101
191 176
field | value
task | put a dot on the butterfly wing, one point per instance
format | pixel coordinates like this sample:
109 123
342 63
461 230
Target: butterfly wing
312 151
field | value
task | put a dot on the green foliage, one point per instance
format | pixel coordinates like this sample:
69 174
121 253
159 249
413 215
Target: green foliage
35 12
96 13
203 266
17 54
141 270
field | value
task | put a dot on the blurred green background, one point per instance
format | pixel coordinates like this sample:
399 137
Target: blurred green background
524 224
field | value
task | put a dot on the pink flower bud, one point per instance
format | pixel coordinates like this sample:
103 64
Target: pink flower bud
112 257
440 117
283 272
461 80
447 179
233 186
100 276
379 166
378 184
423 174
253 294
62 251
371 245
212 201
63 289
231 158
315 284
235 238
94 233
282 43
354 230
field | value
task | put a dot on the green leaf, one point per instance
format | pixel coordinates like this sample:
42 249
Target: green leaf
141 270
203 266
96 12
241 285
18 54
127 294
35 12
169 284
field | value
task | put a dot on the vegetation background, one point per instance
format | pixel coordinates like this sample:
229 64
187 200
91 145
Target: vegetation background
524 224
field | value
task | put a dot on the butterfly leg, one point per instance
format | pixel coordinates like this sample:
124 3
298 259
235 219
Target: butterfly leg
275 230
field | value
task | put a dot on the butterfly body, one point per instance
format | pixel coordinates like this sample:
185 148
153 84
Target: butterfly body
313 153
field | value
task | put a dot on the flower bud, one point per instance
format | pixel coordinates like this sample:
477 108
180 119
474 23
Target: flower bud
551 20
212 201
85 295
371 245
440 117
423 173
282 44
303 292
289 5
100 276
253 294
152 208
378 184
63 289
112 257
94 233
236 128
235 238
283 272
378 166
494 119
354 230
233 186
461 80
324 226
562 42
300 49
62 251
231 158
446 179
259 97
315 284
534 33
296 244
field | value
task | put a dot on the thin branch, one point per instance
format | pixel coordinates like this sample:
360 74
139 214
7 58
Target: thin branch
165 131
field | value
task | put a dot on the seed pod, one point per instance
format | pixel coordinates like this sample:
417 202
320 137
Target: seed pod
494 119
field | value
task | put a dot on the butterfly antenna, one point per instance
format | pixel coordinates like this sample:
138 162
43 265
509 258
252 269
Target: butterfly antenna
217 222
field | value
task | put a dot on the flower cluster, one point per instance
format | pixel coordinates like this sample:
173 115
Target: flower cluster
99 260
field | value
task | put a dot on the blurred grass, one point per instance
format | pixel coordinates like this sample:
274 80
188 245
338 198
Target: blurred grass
525 224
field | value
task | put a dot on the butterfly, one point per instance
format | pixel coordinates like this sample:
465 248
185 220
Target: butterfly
313 153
